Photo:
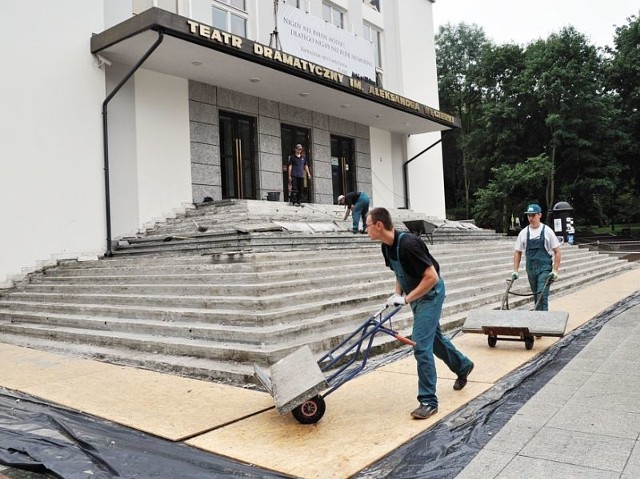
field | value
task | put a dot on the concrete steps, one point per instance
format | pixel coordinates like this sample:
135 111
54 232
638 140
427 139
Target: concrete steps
211 311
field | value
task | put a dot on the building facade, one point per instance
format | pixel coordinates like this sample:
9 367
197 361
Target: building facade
123 112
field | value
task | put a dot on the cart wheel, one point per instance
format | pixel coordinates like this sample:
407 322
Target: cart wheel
310 411
492 340
528 343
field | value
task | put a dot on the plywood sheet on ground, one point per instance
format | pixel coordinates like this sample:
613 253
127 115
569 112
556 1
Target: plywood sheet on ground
167 406
24 367
591 300
491 364
365 419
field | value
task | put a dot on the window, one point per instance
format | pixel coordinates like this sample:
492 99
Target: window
332 15
231 18
372 35
295 3
375 4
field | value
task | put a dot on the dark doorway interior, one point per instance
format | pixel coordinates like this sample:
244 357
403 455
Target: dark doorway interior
237 155
343 169
290 136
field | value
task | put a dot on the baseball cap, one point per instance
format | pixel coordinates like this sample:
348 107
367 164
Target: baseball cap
533 209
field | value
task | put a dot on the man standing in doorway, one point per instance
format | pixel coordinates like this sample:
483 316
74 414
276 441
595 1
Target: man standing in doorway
298 166
358 203
542 252
418 283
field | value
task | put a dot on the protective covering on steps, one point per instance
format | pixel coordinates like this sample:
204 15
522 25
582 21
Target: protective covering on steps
445 450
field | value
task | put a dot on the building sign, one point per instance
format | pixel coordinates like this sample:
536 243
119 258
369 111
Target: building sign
241 47
287 62
309 37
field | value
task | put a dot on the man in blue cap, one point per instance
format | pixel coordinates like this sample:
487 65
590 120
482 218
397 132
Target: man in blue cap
542 251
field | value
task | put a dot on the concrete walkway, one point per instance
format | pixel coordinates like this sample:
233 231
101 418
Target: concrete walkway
584 423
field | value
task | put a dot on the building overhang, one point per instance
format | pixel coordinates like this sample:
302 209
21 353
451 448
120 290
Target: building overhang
197 51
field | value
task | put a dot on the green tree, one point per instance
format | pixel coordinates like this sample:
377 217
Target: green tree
623 81
500 198
574 118
459 49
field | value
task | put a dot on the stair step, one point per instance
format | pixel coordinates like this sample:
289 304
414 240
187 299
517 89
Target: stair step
251 289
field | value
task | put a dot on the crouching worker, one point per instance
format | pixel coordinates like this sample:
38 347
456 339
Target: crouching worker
542 251
419 285
357 203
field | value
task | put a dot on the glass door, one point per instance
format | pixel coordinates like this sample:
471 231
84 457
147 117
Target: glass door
343 170
237 156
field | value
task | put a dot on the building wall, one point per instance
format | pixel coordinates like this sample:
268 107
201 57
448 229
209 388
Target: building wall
162 145
123 163
163 132
410 41
51 176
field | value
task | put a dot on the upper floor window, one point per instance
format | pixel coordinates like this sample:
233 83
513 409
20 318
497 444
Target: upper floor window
332 14
373 35
295 3
230 15
375 4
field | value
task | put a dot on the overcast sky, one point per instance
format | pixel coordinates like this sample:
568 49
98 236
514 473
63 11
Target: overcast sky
523 21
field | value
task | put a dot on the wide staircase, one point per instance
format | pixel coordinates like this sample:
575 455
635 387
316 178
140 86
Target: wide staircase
225 285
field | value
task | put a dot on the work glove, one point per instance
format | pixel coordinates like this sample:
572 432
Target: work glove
553 276
396 300
514 276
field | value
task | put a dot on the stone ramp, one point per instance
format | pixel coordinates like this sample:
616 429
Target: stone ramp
212 312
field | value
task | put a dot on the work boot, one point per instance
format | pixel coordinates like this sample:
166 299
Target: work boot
462 379
424 411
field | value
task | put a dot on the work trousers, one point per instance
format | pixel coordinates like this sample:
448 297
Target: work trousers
429 341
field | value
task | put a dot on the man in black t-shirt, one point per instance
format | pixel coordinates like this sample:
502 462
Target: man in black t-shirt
418 283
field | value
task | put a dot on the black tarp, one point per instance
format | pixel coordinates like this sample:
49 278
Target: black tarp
42 437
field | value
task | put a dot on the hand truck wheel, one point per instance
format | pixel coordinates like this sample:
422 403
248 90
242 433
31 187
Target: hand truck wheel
492 340
528 343
310 411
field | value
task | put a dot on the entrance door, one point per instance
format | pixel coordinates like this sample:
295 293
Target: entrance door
237 156
291 136
343 169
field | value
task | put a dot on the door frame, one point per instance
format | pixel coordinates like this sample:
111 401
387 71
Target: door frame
343 151
242 146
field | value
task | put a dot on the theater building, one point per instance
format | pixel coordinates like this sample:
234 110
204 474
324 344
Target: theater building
119 113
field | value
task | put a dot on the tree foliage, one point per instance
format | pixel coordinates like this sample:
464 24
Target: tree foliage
540 122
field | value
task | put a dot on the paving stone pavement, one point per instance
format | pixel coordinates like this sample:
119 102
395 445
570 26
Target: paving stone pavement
584 423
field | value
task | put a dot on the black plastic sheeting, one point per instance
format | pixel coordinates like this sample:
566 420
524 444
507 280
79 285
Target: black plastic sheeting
445 450
41 437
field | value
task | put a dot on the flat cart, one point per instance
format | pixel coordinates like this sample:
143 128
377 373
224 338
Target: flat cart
515 325
298 383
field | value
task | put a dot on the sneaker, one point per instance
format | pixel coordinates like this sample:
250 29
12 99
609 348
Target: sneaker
424 411
462 379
